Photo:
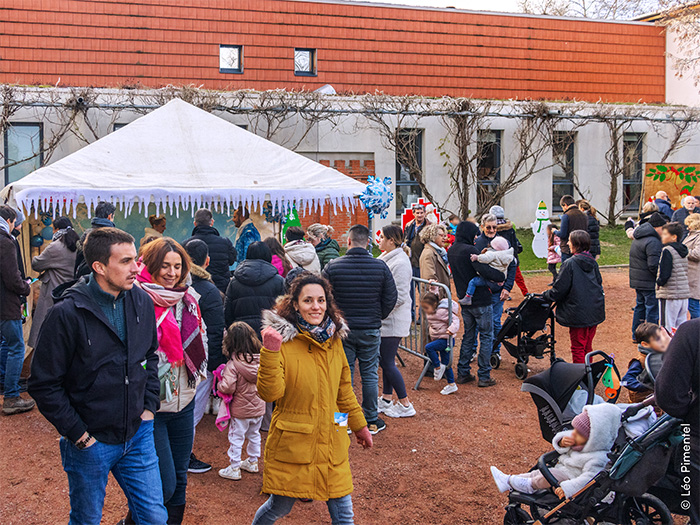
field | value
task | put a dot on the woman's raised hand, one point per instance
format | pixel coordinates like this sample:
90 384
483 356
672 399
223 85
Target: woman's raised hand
271 339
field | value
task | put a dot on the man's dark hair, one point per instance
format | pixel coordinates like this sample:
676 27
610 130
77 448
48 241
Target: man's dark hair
646 332
580 241
566 200
258 250
198 251
674 228
203 217
8 213
99 242
294 233
359 235
104 209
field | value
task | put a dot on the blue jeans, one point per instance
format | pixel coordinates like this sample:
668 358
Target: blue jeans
174 433
694 308
277 507
497 312
474 283
363 346
439 346
134 465
473 317
646 309
11 356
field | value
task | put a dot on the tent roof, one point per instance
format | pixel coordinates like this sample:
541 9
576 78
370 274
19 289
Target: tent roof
181 155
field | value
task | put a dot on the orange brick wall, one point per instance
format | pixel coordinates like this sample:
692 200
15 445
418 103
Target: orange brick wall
344 219
361 49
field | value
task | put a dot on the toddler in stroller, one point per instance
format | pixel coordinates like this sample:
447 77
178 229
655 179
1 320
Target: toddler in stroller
583 454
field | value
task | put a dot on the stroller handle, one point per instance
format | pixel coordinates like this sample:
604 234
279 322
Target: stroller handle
544 469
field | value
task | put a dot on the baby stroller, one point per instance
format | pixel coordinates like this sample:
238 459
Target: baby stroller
527 332
621 493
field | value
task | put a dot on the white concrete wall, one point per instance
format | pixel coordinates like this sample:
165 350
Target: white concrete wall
679 90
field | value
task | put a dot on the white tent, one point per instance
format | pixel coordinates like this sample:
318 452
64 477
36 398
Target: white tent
180 155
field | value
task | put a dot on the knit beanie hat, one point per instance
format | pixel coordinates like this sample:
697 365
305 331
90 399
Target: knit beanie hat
498 212
657 220
499 244
582 423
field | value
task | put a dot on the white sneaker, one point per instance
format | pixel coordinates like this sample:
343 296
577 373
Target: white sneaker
383 405
449 389
249 466
501 480
439 372
399 410
230 473
207 408
215 404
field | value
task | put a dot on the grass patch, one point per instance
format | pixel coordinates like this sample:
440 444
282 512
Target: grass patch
614 247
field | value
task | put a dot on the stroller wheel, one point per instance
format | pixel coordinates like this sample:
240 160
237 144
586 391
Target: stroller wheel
521 370
646 510
495 360
515 515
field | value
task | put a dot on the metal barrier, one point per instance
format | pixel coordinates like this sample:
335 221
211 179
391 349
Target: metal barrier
418 337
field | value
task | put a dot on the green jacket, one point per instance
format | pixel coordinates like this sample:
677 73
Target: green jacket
327 251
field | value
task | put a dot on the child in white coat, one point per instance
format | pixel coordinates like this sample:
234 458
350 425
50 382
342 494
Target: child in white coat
583 454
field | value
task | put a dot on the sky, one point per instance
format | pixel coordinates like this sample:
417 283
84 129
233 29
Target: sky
473 5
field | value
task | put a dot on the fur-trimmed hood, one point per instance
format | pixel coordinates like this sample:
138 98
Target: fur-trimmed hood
288 331
504 226
201 273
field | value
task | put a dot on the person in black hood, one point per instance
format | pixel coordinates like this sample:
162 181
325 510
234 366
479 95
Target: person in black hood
479 313
579 296
95 378
672 286
645 252
104 218
222 253
254 287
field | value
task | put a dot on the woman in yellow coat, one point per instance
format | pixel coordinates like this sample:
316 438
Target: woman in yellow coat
303 369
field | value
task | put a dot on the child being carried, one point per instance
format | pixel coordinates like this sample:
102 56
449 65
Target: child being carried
498 256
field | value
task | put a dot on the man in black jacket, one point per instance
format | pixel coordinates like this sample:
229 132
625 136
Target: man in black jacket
221 250
479 313
211 305
571 220
645 252
365 291
678 394
95 378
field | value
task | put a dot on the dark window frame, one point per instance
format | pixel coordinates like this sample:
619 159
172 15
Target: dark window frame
313 62
418 133
498 158
569 139
6 146
632 204
232 70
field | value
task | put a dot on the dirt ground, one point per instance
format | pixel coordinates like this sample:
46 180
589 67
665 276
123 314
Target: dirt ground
430 469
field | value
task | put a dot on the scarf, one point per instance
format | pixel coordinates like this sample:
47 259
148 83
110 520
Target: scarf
60 233
320 333
442 252
179 344
4 226
99 222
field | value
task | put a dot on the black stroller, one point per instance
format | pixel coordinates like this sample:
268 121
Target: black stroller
621 493
527 332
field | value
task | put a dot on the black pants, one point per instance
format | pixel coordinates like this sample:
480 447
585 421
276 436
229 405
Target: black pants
552 267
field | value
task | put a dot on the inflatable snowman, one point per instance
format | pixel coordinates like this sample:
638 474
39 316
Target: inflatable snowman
539 228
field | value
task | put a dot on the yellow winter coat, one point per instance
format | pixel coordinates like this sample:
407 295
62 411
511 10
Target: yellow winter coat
306 454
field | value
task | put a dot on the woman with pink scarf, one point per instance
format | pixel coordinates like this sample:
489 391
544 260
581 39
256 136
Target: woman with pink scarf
182 363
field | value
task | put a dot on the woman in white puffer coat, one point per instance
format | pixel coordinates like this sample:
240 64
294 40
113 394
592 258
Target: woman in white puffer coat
583 453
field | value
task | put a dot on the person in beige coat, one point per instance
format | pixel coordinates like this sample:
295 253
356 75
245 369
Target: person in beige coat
55 266
692 242
433 259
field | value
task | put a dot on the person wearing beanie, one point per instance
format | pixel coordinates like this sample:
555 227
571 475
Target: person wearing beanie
583 453
498 256
645 253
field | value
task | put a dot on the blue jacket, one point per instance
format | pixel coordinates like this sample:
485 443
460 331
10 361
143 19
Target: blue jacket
247 236
664 208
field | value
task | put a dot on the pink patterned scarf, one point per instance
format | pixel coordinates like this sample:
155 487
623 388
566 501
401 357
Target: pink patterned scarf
179 344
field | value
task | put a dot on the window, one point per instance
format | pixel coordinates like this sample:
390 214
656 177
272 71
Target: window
23 147
488 168
230 59
119 125
563 151
632 170
305 62
409 158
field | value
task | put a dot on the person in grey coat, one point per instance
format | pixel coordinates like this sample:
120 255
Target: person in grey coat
56 265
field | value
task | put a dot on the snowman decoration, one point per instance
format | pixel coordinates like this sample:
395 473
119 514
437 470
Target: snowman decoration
539 228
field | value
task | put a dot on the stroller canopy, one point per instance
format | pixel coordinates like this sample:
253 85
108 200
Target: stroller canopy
560 381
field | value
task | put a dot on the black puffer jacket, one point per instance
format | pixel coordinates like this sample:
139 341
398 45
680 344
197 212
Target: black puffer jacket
222 254
464 270
363 287
594 232
255 286
578 292
84 378
645 252
212 307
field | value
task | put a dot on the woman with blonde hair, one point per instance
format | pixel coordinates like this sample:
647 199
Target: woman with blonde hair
327 249
692 241
433 259
648 210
